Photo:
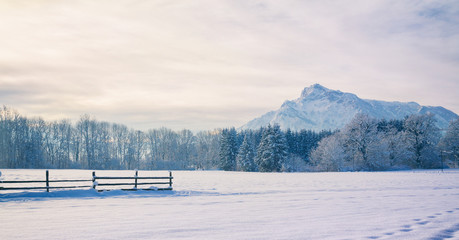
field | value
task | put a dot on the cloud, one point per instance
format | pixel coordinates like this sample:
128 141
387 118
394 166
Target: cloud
205 64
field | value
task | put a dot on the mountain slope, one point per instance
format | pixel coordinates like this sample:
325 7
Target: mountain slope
320 108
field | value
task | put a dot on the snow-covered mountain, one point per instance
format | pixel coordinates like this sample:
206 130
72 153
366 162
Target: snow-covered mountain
320 108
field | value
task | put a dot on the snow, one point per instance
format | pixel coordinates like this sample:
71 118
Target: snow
240 205
319 108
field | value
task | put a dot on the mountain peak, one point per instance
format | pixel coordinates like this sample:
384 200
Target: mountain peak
318 86
314 90
320 108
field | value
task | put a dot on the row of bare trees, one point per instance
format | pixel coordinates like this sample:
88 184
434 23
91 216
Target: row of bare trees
93 144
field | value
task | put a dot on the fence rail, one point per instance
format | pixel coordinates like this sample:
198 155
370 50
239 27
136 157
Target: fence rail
167 185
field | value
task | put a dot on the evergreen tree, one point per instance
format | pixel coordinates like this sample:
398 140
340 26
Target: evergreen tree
246 155
291 141
272 151
228 149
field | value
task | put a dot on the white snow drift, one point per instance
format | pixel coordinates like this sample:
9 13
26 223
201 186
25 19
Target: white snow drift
236 205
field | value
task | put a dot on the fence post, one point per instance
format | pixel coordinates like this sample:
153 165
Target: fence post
136 174
93 179
170 179
47 180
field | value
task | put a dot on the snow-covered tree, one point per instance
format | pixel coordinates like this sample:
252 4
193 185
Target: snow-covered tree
330 154
272 151
360 138
395 148
450 144
246 155
228 149
292 142
421 136
363 144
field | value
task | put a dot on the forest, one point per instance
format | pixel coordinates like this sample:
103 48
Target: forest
365 144
92 144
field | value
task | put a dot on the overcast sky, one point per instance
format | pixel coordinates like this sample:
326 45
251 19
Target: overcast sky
205 64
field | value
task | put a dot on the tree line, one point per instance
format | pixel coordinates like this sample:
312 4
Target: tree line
92 144
363 144
371 144
268 149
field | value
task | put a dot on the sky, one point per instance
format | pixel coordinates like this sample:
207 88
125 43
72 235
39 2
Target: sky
206 64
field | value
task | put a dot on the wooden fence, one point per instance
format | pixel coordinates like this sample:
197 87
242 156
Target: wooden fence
96 181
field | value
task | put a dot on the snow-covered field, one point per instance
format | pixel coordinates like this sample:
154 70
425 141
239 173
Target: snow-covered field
236 205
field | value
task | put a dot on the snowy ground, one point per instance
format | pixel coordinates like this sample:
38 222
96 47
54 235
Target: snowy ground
234 205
